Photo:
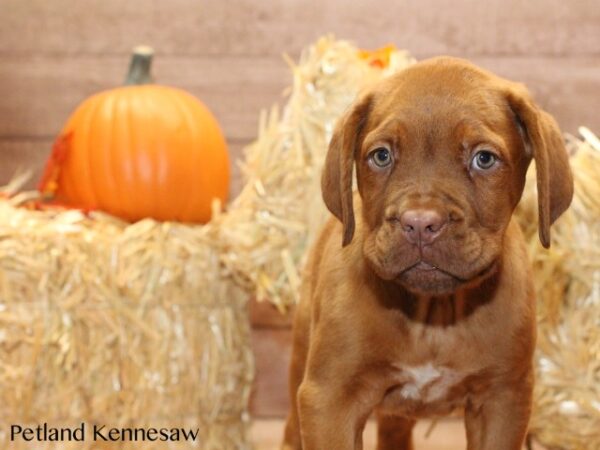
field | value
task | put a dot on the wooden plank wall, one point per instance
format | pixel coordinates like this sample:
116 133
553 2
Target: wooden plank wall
55 53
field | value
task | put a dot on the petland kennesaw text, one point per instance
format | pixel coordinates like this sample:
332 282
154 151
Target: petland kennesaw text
45 433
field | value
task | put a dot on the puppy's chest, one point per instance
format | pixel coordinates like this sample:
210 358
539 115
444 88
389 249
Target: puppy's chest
425 390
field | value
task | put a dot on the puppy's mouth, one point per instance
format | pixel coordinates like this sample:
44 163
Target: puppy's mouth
426 277
426 267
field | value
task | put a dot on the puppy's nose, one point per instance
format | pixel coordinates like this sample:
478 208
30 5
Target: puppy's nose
421 226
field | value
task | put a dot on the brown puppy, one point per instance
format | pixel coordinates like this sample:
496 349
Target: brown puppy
418 299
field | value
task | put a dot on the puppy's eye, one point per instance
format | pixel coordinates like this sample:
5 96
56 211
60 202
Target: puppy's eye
381 157
484 160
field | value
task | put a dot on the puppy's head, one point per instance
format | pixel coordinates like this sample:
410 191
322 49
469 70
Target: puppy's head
441 151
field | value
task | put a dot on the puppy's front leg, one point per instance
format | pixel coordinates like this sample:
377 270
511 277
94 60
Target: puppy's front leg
500 422
338 391
331 417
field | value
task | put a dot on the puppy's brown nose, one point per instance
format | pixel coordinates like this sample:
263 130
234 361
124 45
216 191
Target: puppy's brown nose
421 226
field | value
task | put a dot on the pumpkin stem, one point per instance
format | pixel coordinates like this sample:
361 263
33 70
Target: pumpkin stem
139 67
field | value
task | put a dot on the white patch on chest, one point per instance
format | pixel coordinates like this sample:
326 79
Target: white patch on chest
428 383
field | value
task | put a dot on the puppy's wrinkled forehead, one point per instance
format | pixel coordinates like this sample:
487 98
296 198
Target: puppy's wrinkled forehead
441 99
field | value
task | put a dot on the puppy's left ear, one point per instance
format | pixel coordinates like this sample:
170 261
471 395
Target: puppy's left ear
554 177
336 181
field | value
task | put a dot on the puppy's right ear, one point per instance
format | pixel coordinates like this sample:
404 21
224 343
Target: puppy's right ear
336 182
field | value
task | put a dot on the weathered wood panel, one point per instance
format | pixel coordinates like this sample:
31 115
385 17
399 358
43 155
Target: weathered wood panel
271 348
39 93
249 27
23 154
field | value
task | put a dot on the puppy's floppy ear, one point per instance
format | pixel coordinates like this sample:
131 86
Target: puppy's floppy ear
554 178
336 181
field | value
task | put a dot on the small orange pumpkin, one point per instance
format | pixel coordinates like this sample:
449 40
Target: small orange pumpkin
140 150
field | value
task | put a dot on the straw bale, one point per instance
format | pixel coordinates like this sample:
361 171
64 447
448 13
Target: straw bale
567 278
124 325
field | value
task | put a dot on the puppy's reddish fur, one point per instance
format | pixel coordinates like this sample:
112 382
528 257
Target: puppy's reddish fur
376 330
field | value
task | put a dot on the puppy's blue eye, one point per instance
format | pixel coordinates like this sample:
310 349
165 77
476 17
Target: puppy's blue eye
381 157
484 160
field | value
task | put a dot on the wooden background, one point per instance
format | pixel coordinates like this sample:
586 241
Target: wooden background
54 53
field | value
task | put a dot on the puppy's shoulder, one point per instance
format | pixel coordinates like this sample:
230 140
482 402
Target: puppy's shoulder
327 255
516 291
330 263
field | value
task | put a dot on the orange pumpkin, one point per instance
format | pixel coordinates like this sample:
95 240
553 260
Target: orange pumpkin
140 150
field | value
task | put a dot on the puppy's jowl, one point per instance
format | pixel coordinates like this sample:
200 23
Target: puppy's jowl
417 297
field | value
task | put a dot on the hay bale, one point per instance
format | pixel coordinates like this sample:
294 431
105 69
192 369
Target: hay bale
124 325
567 279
